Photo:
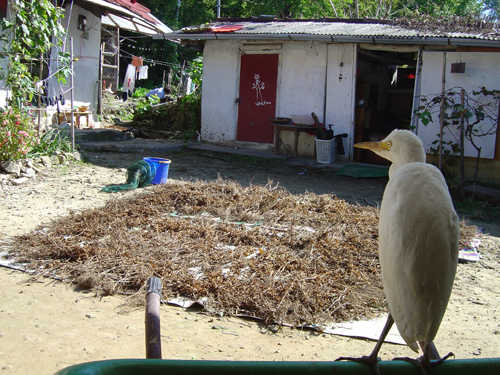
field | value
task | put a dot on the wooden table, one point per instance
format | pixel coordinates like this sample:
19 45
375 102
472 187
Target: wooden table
296 128
77 114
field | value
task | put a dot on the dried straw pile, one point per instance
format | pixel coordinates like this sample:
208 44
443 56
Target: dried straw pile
256 250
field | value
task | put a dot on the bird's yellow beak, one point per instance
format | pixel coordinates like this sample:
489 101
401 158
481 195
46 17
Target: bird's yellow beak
374 146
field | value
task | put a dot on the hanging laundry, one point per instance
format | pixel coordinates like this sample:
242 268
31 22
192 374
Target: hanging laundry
39 86
129 81
143 72
137 61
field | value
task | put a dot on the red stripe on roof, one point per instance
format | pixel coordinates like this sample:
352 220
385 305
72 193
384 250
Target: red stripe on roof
135 7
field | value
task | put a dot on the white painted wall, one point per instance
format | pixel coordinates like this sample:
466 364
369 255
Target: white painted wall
301 87
306 69
302 81
481 69
340 95
219 112
86 69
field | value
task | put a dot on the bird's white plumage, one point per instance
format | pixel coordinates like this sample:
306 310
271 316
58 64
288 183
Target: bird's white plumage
418 239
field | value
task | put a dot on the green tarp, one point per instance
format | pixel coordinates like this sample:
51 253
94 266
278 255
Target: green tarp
356 170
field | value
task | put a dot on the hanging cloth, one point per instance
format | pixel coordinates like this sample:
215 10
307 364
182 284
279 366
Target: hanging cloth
143 72
137 62
129 81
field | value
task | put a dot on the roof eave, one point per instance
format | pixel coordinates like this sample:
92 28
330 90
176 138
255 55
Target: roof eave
424 40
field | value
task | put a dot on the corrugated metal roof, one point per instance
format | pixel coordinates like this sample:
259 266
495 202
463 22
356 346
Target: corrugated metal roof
135 24
352 31
364 30
130 16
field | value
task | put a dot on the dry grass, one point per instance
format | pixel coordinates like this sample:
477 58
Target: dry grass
259 251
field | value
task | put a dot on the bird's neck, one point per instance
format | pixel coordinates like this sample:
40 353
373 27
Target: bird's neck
416 157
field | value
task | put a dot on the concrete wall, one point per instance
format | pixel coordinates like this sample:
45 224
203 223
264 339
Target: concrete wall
320 77
219 112
302 78
340 95
302 88
481 69
86 47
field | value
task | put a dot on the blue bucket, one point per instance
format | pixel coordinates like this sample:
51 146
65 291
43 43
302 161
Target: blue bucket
161 167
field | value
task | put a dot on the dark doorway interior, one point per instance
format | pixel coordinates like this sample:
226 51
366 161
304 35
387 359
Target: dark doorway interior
384 95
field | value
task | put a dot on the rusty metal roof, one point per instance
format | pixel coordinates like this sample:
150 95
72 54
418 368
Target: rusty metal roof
337 31
362 30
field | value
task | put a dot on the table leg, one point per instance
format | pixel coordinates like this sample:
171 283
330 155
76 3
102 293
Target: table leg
295 142
276 140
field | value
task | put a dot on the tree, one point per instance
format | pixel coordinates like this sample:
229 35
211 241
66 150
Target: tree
27 35
181 13
473 114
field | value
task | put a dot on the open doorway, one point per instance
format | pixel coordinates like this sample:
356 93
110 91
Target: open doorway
385 82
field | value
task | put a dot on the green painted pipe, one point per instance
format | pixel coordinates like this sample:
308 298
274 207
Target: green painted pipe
489 366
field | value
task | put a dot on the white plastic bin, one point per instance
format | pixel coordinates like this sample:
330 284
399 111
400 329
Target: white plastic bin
326 150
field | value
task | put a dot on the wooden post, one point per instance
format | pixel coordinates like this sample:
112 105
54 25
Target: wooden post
441 122
180 80
39 103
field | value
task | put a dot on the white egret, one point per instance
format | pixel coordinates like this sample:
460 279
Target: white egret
418 244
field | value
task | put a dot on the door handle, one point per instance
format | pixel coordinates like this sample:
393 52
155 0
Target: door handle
238 101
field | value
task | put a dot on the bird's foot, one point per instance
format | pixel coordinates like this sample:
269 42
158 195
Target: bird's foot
422 363
441 360
368 360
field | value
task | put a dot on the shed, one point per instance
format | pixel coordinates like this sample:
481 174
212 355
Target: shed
364 77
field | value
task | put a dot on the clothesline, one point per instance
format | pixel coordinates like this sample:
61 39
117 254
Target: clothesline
128 55
143 48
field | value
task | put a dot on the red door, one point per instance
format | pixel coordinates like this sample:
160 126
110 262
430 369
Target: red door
258 81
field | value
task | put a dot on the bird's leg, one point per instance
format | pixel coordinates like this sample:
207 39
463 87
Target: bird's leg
373 359
430 353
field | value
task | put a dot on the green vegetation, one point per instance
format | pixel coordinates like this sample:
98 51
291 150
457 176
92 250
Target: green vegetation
17 134
51 143
477 116
140 92
26 36
194 12
474 209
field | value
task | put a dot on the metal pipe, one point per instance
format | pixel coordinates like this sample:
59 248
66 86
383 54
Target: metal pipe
153 329
72 93
483 366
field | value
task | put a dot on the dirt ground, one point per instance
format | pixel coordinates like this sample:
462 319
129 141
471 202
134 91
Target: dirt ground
46 325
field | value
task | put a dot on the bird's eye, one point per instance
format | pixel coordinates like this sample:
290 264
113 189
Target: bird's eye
389 144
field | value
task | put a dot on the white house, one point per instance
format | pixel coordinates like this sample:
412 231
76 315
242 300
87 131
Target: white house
99 18
93 24
363 76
